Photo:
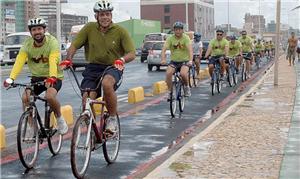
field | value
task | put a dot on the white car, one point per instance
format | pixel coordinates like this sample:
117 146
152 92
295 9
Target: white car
154 57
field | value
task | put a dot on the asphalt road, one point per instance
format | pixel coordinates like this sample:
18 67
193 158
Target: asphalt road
147 130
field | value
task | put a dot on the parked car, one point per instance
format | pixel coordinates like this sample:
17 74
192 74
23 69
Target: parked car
205 46
145 50
1 54
138 51
154 57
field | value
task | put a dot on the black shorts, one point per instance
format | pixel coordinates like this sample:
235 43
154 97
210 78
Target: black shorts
177 65
196 57
93 73
215 59
247 55
38 89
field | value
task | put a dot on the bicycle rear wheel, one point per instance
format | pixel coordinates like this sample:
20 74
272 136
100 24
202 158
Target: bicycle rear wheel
173 100
181 98
111 145
81 146
54 137
28 139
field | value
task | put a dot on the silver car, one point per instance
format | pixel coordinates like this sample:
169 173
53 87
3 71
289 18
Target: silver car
154 57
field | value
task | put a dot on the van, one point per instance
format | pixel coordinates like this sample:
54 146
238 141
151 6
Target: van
12 45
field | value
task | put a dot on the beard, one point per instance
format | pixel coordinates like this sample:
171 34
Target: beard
39 40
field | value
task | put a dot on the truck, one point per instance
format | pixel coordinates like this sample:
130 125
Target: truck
12 44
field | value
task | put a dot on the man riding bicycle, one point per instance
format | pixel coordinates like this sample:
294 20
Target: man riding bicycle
197 51
235 51
106 44
181 57
247 48
218 49
259 48
42 54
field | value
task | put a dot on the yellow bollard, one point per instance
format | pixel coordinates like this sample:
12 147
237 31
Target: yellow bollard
98 107
160 87
2 137
135 95
67 113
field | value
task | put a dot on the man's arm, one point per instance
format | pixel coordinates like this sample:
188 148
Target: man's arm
129 57
71 51
190 48
163 53
18 66
208 51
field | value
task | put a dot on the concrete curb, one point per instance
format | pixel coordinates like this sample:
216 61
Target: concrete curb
135 95
2 137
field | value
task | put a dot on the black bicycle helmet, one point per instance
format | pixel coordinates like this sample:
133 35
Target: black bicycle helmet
178 25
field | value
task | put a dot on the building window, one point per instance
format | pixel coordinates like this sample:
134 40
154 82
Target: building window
167 8
167 19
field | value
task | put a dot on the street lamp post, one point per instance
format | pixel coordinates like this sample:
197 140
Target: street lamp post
228 30
58 22
187 15
277 43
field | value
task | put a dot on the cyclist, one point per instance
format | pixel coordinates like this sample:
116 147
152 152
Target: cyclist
218 49
235 51
247 48
181 57
291 51
197 51
272 48
267 49
42 54
259 48
106 44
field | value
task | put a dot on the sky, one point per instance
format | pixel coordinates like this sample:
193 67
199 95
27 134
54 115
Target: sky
124 9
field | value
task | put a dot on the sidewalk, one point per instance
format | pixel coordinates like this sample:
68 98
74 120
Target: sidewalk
250 140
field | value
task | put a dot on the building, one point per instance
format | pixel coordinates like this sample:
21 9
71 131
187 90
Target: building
67 21
271 27
200 14
254 23
14 16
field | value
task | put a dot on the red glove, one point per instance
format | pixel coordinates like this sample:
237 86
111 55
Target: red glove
8 82
66 63
119 62
51 80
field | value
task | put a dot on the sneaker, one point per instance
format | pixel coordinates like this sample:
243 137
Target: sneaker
111 125
62 125
187 91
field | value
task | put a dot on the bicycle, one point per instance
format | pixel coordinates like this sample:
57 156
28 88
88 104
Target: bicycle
177 94
87 134
216 78
231 72
192 75
32 132
243 66
257 60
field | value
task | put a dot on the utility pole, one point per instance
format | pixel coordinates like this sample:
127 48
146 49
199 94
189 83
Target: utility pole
187 15
228 28
277 43
58 22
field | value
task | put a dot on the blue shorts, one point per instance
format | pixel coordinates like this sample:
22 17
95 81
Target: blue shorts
215 59
177 65
93 73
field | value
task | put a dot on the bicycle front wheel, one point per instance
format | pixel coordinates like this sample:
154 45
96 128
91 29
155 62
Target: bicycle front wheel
213 83
54 137
81 146
28 139
181 98
173 100
112 144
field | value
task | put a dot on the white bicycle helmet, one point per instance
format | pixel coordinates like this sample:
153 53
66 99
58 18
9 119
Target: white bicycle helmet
103 5
36 22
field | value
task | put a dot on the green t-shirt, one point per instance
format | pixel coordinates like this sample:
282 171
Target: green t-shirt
38 57
103 48
179 48
234 48
246 44
259 47
218 47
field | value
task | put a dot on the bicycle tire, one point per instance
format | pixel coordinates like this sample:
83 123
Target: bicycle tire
79 172
110 157
54 137
213 83
234 76
27 157
230 77
181 97
243 73
195 80
219 83
173 100
190 77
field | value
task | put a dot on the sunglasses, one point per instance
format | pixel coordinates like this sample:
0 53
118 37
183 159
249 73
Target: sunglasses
219 34
244 34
